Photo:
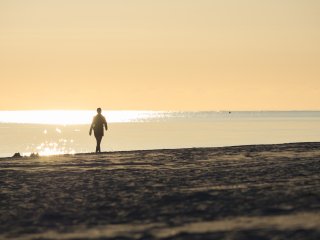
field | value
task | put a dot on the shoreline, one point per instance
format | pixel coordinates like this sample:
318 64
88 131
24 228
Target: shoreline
277 145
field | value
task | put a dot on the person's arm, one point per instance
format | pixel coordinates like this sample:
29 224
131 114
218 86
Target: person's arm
90 131
91 127
105 124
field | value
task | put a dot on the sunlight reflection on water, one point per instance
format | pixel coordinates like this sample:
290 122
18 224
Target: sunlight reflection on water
63 132
62 146
68 117
54 142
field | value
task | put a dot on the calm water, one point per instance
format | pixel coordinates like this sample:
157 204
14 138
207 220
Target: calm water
52 132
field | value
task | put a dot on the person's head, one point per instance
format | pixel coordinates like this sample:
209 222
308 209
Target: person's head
99 110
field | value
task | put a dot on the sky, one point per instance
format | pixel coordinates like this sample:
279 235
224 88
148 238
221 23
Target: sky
160 54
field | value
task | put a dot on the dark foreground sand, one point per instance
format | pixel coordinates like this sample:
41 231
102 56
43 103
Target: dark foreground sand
245 192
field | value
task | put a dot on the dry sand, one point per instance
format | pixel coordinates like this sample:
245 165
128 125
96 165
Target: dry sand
243 192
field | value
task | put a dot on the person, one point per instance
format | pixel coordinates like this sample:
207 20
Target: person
98 123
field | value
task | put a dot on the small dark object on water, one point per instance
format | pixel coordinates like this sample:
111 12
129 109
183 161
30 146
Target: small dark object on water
17 155
34 155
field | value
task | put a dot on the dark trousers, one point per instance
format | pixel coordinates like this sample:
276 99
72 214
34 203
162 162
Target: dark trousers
98 138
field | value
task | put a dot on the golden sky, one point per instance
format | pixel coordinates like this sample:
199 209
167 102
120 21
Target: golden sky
160 54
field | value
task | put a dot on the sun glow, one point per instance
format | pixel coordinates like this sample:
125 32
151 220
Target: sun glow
70 117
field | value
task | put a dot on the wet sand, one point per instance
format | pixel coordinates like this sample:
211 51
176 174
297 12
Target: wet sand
242 192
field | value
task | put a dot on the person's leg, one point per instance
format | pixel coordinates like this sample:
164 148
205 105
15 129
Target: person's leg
98 138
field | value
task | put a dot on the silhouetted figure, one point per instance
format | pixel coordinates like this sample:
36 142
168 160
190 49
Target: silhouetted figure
98 123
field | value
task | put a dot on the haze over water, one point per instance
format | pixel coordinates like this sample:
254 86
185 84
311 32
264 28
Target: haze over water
58 132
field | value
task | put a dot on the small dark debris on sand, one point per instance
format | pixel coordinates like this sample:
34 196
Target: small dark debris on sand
17 155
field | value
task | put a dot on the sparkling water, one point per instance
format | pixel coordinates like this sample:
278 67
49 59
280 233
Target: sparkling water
58 132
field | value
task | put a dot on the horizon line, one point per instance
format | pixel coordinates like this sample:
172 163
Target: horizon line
150 110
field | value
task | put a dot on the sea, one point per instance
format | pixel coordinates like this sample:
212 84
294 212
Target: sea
54 132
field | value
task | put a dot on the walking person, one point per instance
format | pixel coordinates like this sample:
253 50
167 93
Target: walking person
98 125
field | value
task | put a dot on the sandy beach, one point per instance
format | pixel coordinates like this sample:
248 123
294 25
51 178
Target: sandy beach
242 192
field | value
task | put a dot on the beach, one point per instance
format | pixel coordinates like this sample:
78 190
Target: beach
240 192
